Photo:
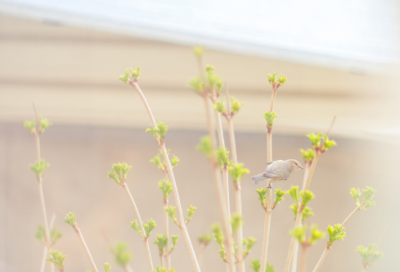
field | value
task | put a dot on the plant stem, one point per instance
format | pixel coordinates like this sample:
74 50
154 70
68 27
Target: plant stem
225 178
273 99
312 169
145 240
167 255
78 232
350 215
40 186
201 254
321 259
267 226
173 182
45 250
293 240
303 258
225 219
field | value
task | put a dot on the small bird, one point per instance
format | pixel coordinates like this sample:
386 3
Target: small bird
277 170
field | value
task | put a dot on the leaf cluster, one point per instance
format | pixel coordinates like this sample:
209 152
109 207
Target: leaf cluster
159 131
248 243
262 196
107 267
300 234
305 214
190 213
121 253
369 254
237 172
163 269
320 141
222 156
255 265
39 167
148 228
166 188
270 117
308 155
236 222
57 258
43 125
70 219
119 172
171 211
369 194
276 82
130 75
205 239
336 232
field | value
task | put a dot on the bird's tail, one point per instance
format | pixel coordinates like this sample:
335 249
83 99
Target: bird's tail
258 178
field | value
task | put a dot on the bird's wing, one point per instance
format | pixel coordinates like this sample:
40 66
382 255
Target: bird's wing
274 170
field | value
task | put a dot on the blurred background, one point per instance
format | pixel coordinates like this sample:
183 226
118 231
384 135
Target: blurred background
341 59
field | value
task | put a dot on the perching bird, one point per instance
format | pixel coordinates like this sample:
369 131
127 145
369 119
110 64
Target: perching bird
278 170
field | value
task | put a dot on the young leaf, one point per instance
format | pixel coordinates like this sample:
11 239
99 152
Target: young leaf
236 106
174 241
119 172
306 214
223 157
149 227
294 193
269 117
39 167
237 171
161 242
369 193
255 265
166 188
272 78
236 222
70 219
336 232
316 234
220 106
190 213
262 196
171 210
299 233
308 155
55 235
369 254
57 258
107 267
205 146
278 197
269 268
40 234
136 227
219 237
315 139
174 161
306 196
121 254
205 239
197 85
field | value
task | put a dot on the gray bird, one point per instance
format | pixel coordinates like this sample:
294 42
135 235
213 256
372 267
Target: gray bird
278 170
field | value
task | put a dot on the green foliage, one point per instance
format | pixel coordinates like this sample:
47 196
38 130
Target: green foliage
57 258
205 239
55 235
130 75
174 161
39 167
149 227
166 188
197 85
262 196
158 132
306 196
306 213
119 172
294 193
219 237
174 239
222 157
121 253
237 171
43 125
236 105
190 213
269 117
315 139
163 269
161 242
308 155
40 234
158 161
198 51
212 78
299 233
236 222
219 85
70 219
249 243
136 227
255 265
171 210
316 234
282 79
274 82
272 78
336 232
107 267
369 194
327 144
220 106
269 268
205 146
278 197
369 254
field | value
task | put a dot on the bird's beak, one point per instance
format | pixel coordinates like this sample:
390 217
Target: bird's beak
302 167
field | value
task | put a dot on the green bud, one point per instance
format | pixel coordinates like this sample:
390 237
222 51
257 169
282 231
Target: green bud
174 239
306 213
43 125
299 233
159 131
119 172
70 219
306 196
126 76
174 161
121 254
219 237
166 188
237 171
294 193
198 51
249 243
236 222
223 157
136 227
315 139
220 106
190 213
40 234
205 146
55 235
219 85
161 242
315 234
356 194
205 239
171 210
149 227
157 161
57 258
39 167
336 232
269 117
369 193
281 79
308 155
107 267
209 69
197 85
262 196
236 105
255 265
278 197
272 78
269 268
369 254
327 143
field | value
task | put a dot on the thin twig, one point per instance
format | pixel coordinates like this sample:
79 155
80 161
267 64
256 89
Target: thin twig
45 250
350 215
78 232
145 240
173 182
321 259
303 258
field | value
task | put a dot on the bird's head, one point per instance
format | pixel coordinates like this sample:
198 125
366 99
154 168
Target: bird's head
295 165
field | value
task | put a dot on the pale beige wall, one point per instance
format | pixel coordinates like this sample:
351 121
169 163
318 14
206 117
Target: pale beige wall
71 74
